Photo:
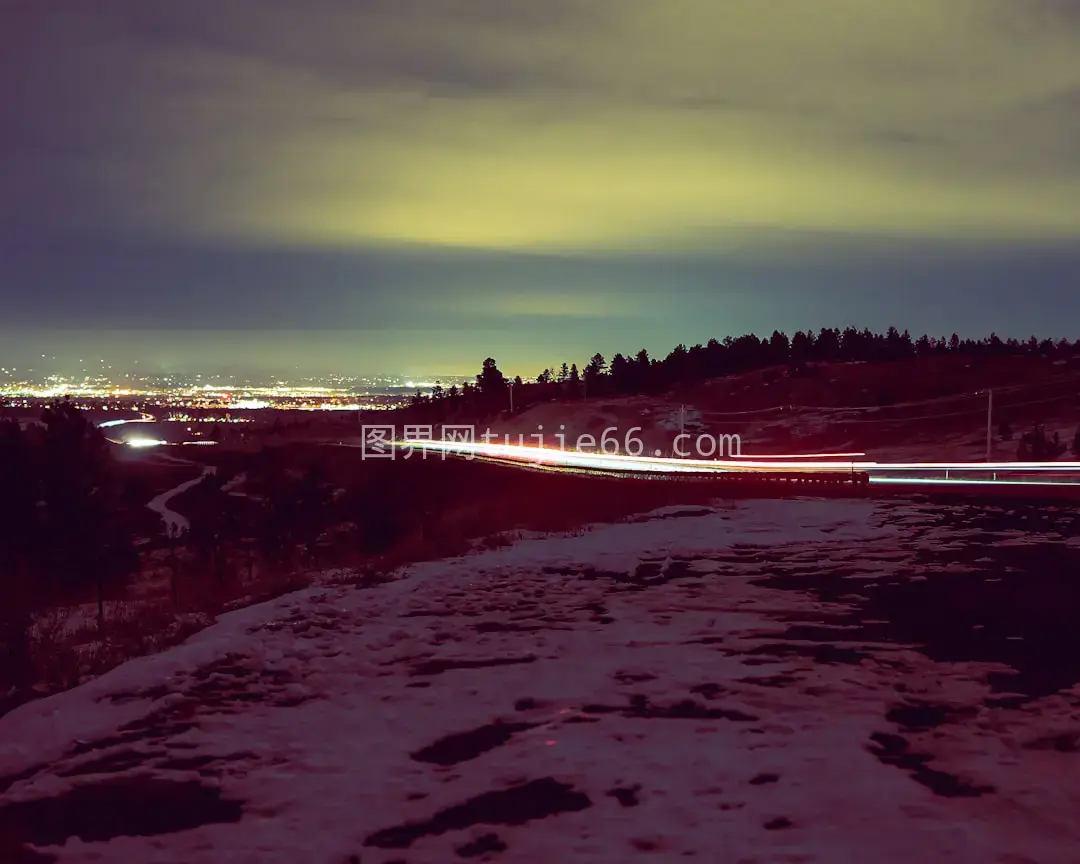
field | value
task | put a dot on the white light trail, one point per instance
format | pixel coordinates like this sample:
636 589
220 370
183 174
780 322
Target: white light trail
625 462
145 442
145 418
799 455
967 466
550 456
967 481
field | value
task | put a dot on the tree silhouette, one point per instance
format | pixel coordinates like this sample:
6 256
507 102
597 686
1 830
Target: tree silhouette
313 500
622 379
1036 446
827 345
491 385
573 383
214 525
802 346
594 374
19 532
779 347
87 543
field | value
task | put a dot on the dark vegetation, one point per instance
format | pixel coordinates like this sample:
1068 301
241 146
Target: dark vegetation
74 529
637 374
1037 446
66 526
308 506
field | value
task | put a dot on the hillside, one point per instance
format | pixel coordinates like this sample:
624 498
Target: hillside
933 407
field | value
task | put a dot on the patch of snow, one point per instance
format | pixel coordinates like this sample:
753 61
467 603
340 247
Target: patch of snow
660 717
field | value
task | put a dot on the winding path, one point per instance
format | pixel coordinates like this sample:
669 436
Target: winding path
176 523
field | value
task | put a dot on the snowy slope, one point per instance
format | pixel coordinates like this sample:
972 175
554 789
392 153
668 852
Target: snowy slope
631 693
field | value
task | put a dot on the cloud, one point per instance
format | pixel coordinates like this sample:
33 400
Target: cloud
554 127
550 303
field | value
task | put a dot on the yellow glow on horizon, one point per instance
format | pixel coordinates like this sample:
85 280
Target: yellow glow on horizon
689 124
652 184
601 125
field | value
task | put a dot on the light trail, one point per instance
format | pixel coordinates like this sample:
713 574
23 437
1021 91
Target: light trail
550 456
137 442
143 418
762 464
142 443
967 466
967 481
799 455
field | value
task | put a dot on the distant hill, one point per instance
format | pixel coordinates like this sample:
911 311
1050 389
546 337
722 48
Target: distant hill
913 408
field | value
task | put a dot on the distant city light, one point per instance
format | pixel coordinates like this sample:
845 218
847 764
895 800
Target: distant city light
186 397
248 404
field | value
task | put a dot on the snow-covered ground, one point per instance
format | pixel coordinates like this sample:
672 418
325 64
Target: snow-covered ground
656 690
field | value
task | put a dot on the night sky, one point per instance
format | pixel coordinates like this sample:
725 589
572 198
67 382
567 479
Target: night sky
414 185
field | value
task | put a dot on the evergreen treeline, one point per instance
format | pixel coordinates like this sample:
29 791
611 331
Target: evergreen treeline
634 374
62 529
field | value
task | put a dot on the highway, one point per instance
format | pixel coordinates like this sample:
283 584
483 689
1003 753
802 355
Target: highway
1031 477
1002 476
132 442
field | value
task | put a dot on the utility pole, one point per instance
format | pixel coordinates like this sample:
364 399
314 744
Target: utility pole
682 421
511 397
989 421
